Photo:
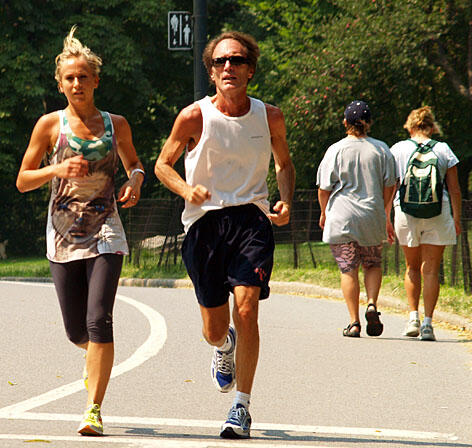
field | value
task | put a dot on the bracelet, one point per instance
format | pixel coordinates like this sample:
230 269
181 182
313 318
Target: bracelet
137 170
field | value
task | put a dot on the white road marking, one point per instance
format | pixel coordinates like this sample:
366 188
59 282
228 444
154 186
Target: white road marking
155 442
150 347
183 423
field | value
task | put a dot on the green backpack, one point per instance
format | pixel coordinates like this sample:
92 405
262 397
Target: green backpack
421 191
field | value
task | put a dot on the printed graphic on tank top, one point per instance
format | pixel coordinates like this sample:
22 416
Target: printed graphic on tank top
83 219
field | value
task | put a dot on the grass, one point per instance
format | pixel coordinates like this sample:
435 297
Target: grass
452 298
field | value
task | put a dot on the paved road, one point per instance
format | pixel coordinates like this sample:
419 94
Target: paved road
313 387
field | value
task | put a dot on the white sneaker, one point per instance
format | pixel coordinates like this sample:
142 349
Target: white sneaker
412 329
223 369
238 424
427 333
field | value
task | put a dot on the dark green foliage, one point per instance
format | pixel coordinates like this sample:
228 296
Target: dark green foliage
317 56
140 79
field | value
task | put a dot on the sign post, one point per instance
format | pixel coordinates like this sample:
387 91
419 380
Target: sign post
199 72
181 36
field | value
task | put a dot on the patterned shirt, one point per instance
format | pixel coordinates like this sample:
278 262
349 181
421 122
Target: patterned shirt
83 220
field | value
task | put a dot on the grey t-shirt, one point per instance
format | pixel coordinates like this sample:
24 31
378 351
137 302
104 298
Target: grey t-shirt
356 171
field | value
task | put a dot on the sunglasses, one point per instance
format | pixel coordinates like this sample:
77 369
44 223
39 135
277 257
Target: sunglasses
233 60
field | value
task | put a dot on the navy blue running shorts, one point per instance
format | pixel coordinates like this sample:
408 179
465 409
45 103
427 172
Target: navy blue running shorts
229 247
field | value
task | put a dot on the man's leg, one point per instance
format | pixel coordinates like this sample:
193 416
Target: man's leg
245 316
372 282
215 324
217 332
351 289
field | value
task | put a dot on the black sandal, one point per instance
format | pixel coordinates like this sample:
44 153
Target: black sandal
353 330
374 326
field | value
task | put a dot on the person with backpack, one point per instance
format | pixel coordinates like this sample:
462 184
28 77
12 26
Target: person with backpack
427 209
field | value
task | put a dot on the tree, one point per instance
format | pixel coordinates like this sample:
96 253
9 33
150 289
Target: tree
140 79
318 55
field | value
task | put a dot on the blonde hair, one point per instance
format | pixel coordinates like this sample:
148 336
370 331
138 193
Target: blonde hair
422 120
74 48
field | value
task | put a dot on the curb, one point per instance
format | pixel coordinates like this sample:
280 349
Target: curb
290 288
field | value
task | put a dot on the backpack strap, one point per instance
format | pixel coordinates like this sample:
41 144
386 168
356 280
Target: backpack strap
430 144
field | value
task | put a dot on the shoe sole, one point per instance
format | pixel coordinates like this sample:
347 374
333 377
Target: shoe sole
427 338
229 432
89 431
374 326
412 334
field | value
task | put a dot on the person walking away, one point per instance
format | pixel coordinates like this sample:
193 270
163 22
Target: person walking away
229 138
356 180
423 239
85 238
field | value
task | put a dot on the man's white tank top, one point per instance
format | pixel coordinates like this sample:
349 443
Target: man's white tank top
231 160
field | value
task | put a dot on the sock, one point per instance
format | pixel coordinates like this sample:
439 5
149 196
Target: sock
428 321
242 398
414 315
227 345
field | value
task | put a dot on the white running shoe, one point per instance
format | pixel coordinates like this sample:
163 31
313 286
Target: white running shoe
238 424
223 372
412 329
427 333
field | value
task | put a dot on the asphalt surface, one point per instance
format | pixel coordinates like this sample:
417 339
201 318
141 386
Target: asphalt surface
313 387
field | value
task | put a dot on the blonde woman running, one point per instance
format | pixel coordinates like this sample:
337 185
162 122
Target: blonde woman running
85 238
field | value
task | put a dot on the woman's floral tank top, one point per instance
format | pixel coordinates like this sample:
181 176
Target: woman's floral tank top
83 220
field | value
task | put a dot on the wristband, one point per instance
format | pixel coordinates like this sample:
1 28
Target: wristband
138 170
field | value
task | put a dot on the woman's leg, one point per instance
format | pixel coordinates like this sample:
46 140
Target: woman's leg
412 276
103 273
431 260
70 281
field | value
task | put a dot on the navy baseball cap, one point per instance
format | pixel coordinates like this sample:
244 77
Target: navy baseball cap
356 111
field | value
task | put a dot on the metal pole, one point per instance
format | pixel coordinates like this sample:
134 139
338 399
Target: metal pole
200 38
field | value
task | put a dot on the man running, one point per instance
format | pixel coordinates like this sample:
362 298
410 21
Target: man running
229 245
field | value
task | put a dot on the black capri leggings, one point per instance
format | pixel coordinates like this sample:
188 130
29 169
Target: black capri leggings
86 290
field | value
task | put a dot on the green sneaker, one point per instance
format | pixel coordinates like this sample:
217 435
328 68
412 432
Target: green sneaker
91 424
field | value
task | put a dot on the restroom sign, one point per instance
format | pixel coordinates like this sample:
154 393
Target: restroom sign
180 30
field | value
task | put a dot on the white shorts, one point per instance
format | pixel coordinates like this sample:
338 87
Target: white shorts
438 231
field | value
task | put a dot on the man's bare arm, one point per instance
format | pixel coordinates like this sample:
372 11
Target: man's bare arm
186 131
284 169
